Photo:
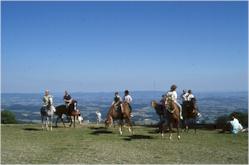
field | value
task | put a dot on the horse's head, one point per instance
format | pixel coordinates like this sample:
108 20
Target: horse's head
108 122
193 101
73 105
153 103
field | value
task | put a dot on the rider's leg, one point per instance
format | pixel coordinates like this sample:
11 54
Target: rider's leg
130 109
180 107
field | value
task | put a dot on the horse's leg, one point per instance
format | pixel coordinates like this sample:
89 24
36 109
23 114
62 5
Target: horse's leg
42 122
120 128
187 125
71 121
170 130
51 122
56 121
161 128
130 126
74 121
47 122
62 121
195 125
177 127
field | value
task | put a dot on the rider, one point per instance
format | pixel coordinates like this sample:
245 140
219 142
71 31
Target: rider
117 101
184 96
46 99
67 99
128 99
190 95
173 94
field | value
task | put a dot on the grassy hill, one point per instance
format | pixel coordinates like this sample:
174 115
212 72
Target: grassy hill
28 143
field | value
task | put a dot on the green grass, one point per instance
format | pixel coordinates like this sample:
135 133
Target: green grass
92 144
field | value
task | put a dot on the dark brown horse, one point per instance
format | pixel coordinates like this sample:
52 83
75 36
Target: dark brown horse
190 112
173 116
161 112
123 114
71 111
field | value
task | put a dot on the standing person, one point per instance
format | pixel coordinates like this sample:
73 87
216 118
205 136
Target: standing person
80 118
98 117
46 98
234 125
67 99
173 94
117 100
128 99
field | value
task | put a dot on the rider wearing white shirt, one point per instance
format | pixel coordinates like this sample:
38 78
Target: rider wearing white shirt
190 95
173 95
128 99
46 99
183 96
236 126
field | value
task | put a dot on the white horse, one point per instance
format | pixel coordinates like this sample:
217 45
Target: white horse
47 113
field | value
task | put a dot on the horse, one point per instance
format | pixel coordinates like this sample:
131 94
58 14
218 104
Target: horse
70 111
173 116
47 113
190 113
161 112
121 114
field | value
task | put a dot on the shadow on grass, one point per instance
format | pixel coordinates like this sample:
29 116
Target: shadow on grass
32 129
103 131
138 137
97 128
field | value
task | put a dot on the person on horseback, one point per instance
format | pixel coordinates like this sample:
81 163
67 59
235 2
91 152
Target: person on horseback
128 99
67 99
184 96
172 93
46 99
189 95
117 101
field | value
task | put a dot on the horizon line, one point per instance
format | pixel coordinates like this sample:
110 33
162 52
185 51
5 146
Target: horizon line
197 91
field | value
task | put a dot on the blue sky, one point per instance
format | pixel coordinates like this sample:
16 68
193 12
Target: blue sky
108 46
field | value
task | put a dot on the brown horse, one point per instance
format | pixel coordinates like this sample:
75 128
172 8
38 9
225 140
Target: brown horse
161 111
71 111
190 113
173 116
123 114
